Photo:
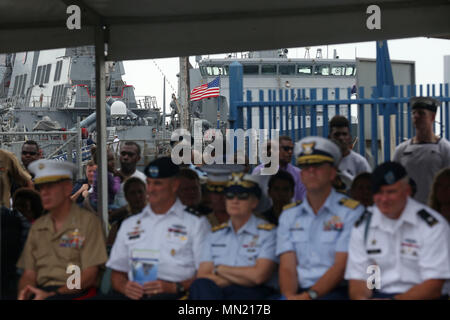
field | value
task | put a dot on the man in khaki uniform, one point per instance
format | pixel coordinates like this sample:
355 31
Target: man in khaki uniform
11 170
63 245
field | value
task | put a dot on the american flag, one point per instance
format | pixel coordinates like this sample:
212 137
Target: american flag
209 90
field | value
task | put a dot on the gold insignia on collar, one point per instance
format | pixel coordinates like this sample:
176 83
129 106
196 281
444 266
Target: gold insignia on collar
41 166
308 147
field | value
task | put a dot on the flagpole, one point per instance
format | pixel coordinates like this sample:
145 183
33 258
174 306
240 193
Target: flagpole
218 106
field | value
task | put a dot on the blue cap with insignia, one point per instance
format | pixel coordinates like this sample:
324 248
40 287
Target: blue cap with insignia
428 103
311 150
387 173
47 171
161 168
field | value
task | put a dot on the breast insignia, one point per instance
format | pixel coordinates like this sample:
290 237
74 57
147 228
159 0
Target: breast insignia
349 203
266 226
291 205
219 227
429 219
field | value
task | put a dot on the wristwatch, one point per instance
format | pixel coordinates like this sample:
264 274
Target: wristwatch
312 294
180 288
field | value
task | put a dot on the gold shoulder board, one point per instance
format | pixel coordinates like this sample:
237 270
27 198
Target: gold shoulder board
291 205
349 203
219 227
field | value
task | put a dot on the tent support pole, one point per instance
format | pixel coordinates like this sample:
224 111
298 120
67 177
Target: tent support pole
100 100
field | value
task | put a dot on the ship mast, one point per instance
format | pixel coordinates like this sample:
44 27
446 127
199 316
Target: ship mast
184 93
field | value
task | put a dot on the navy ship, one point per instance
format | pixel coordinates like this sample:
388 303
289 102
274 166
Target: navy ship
51 91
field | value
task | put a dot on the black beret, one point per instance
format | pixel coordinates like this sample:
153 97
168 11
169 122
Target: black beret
424 103
386 174
161 168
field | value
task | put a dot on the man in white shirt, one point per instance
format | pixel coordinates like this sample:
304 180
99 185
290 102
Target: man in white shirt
352 163
399 246
130 154
425 154
168 231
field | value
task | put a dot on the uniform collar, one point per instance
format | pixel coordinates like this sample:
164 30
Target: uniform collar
408 215
250 226
326 207
71 222
177 208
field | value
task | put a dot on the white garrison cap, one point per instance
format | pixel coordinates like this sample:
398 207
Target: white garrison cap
46 171
219 174
313 149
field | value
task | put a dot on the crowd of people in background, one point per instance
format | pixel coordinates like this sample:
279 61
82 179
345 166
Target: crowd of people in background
226 231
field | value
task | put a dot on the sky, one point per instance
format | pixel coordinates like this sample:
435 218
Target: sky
428 53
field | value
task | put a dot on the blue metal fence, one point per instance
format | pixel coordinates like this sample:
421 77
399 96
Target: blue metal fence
300 112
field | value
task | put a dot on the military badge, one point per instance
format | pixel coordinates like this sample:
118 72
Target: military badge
72 240
135 234
308 147
335 223
153 171
389 177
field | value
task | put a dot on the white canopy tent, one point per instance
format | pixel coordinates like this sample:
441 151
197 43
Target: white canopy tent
138 29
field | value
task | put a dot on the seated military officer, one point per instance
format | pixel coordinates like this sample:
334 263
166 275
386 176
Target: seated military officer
156 253
312 236
238 257
218 176
60 241
400 244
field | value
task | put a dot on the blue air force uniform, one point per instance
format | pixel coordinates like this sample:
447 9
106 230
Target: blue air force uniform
315 239
256 239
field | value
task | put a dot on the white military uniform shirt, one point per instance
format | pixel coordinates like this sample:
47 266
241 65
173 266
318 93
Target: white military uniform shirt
408 251
422 161
177 235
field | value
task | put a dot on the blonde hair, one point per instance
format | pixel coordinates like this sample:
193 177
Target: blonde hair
432 200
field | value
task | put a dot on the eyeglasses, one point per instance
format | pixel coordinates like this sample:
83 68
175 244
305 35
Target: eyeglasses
287 148
240 196
30 153
125 153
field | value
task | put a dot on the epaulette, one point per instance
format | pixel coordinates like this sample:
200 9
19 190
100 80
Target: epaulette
193 211
266 226
292 204
349 203
219 227
366 214
429 219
